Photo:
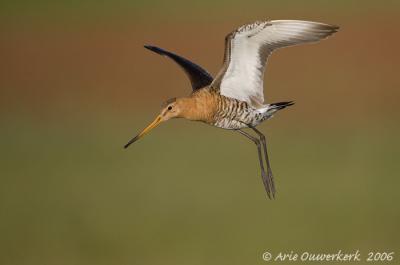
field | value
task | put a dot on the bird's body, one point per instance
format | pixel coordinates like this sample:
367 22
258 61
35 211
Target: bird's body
234 114
208 106
234 99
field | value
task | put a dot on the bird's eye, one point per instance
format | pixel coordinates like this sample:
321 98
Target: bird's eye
170 108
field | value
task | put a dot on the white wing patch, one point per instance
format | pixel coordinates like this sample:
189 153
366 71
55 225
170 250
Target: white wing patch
248 48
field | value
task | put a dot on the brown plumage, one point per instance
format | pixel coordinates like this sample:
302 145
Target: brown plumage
234 100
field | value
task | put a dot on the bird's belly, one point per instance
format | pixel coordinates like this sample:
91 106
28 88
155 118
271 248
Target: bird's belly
235 124
233 114
230 124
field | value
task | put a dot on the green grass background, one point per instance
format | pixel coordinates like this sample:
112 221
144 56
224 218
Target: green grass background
76 85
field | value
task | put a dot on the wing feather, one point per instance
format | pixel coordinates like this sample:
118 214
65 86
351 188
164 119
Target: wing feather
248 48
198 76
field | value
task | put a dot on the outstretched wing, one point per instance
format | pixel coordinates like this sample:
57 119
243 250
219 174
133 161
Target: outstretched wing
247 50
198 76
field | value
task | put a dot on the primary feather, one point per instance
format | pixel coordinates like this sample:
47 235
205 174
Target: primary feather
198 76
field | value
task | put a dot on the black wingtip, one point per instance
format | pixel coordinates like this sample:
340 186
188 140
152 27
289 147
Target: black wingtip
155 49
198 76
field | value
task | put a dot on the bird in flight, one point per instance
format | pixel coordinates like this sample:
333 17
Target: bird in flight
234 99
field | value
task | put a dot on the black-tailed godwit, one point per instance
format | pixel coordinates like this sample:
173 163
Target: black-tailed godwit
234 99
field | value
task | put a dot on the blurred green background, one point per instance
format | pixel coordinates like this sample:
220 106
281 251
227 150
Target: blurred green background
76 84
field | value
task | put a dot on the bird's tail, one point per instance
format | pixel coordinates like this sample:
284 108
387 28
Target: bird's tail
274 107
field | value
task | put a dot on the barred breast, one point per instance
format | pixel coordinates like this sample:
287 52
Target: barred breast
234 114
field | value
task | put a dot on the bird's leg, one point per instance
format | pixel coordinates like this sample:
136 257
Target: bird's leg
263 175
270 177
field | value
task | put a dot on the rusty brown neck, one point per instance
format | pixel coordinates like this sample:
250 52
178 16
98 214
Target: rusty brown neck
200 106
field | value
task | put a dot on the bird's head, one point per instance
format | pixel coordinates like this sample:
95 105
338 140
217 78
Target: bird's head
172 108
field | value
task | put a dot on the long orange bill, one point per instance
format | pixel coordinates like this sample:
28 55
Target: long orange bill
152 125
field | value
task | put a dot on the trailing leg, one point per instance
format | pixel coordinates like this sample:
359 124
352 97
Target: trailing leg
267 184
270 177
